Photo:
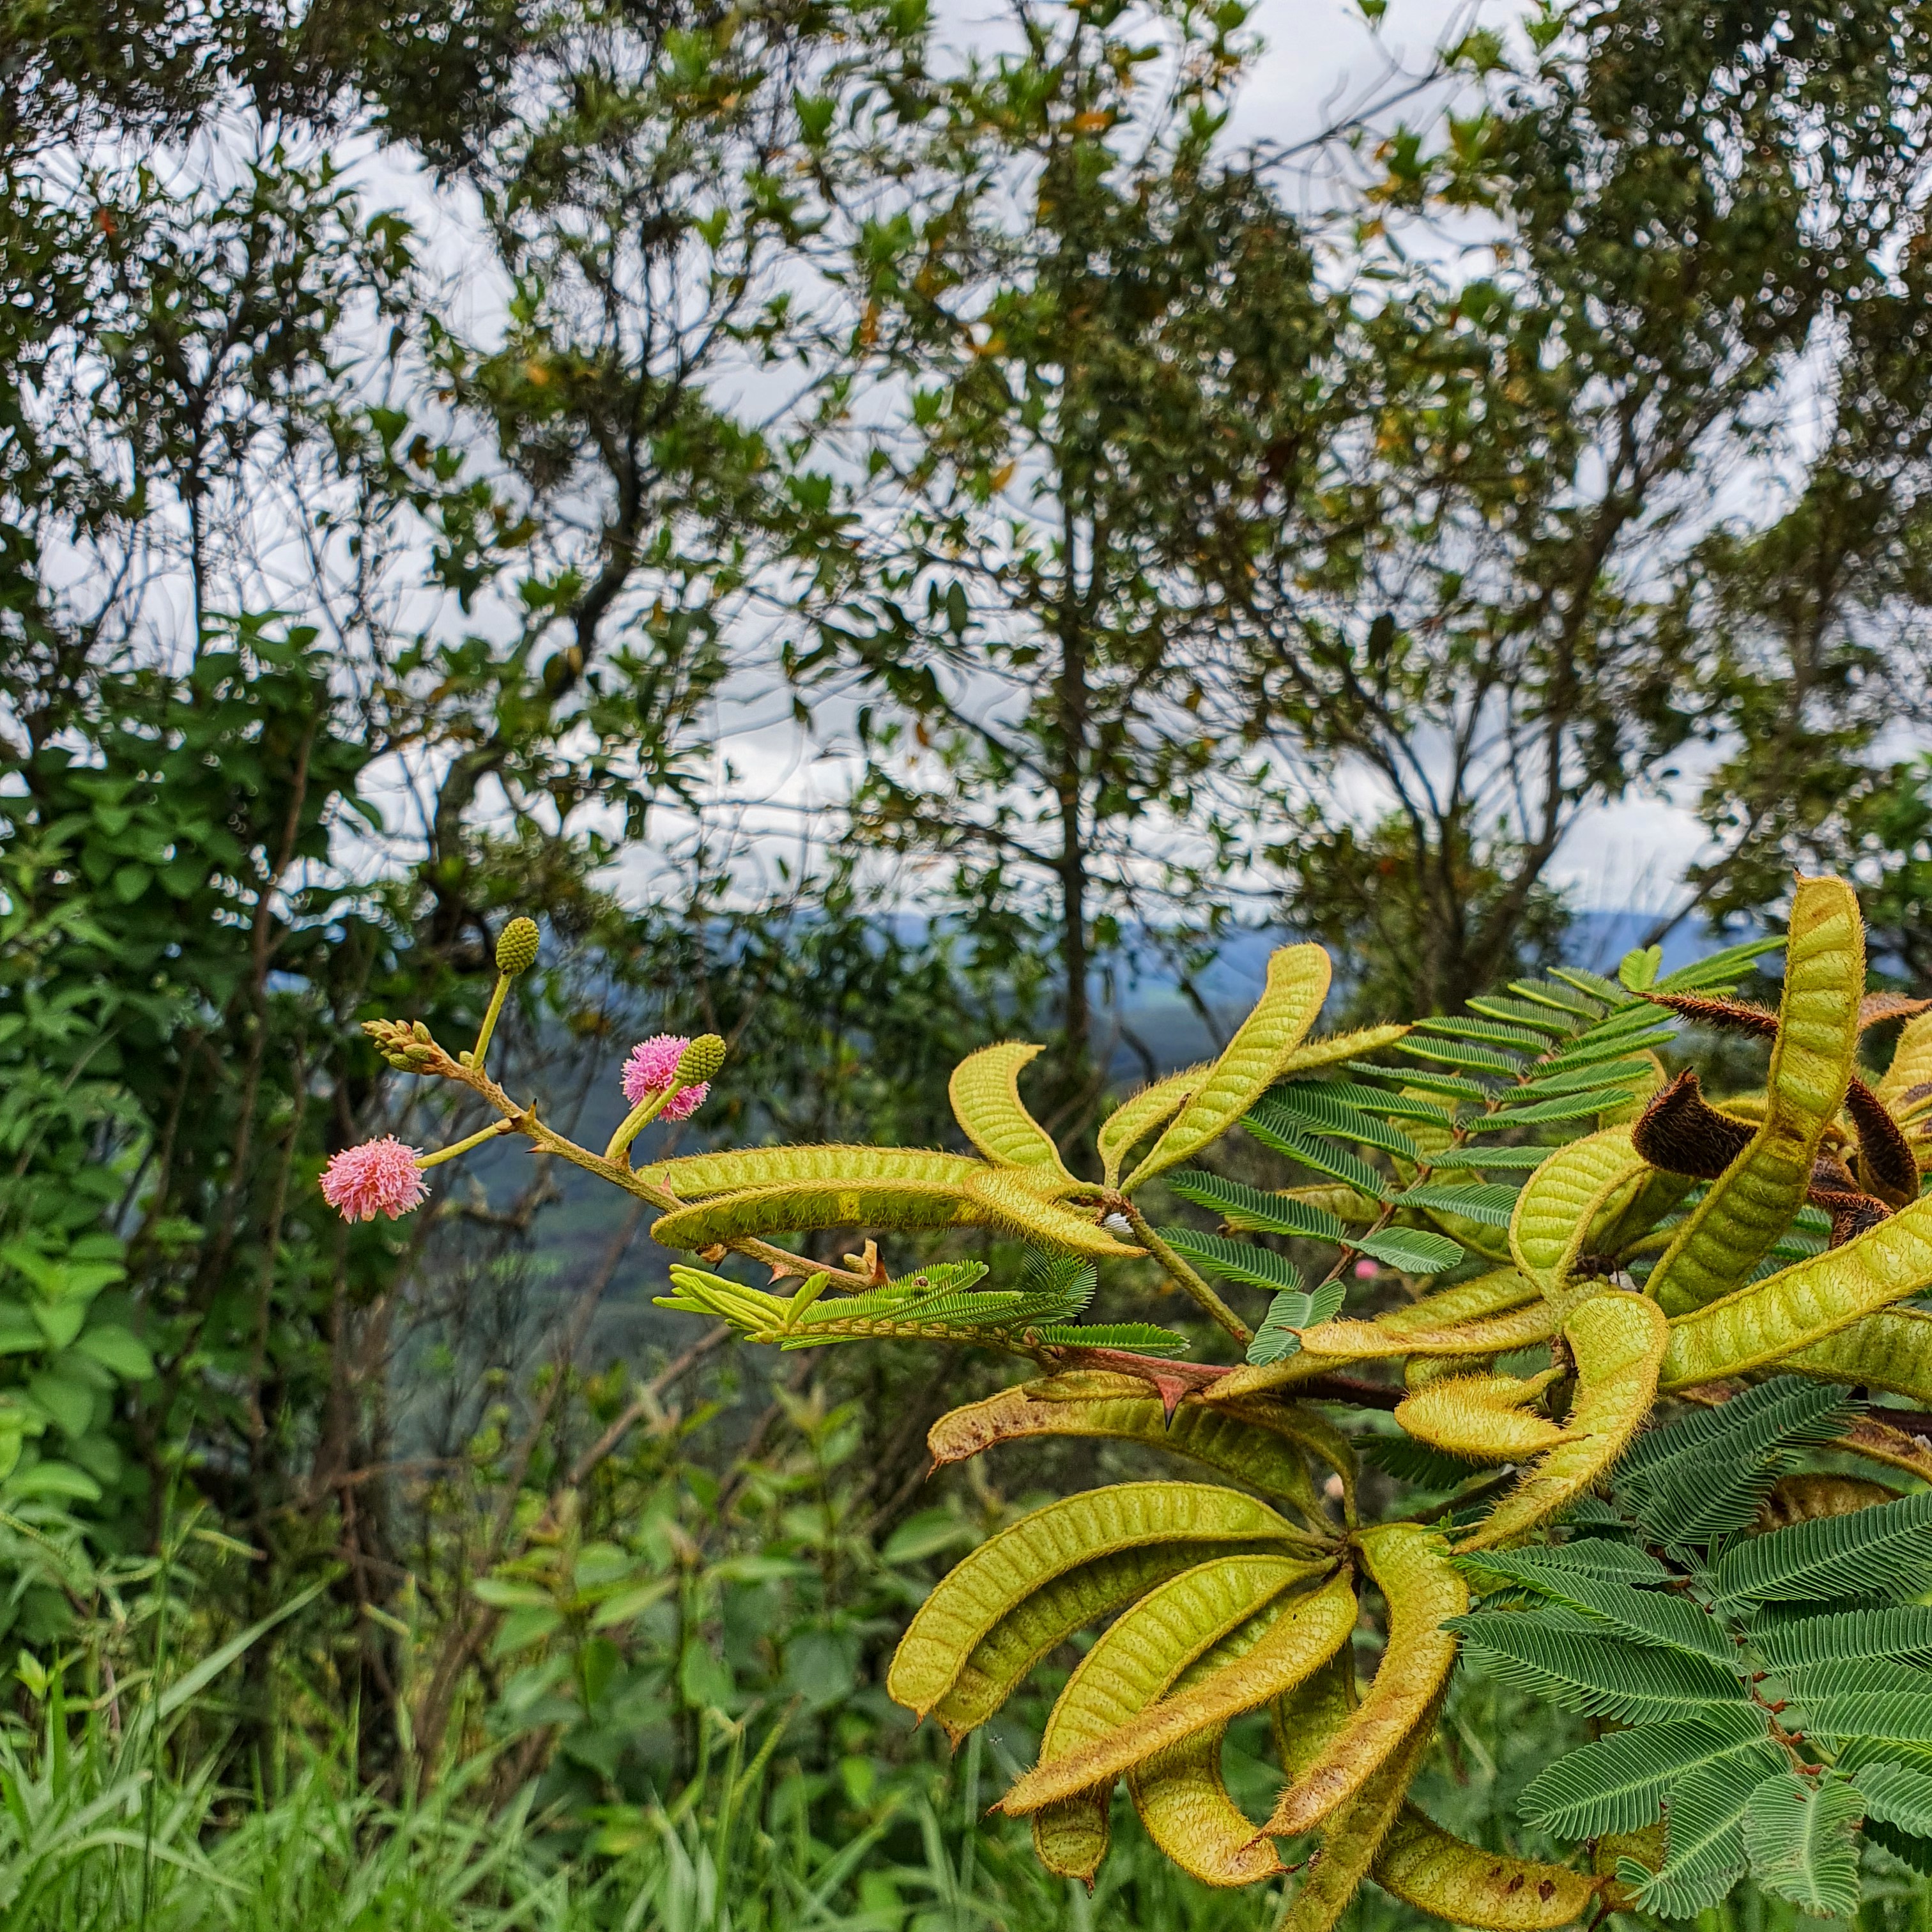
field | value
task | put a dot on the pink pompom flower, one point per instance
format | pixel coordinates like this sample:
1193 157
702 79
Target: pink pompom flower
1365 1269
652 1067
378 1177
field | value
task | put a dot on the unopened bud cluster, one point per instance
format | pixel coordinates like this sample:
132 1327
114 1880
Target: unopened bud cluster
700 1059
409 1048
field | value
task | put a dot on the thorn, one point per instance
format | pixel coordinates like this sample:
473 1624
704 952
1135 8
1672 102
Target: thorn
779 1269
714 1254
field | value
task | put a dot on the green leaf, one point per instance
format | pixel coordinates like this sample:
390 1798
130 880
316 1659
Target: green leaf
1898 1794
1503 1158
1241 1262
1276 1338
1799 1837
1520 1012
1705 1839
1705 1475
1143 1338
1412 1250
1881 1551
1555 999
119 1349
1564 1107
1308 1110
1659 1619
1445 1085
1904 1633
1241 1206
1366 1100
1617 1784
1567 1658
1638 968
1491 1032
1729 965
1593 1073
1285 1137
1492 1203
1474 1059
1593 986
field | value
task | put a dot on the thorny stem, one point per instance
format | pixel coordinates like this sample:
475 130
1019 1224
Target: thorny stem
1178 1271
523 1120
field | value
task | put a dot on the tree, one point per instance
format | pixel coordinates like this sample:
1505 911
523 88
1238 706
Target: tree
1044 304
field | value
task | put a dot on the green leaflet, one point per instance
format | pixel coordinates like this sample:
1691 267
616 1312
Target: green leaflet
1132 1664
1437 1873
1003 1658
1618 1341
1423 1590
1304 1636
1309 1109
1705 1834
1903 1633
1572 1660
1262 1213
1898 1794
1258 1055
986 1198
1183 1803
985 1090
1492 1202
1661 1619
1241 1262
1353 1835
1617 1783
1123 1407
1484 1417
1491 1294
1006 1569
1803 1303
1137 1116
1886 1550
1890 1350
698 1176
1799 1836
1753 1202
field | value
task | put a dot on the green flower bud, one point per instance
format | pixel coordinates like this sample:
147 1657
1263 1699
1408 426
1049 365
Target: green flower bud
700 1059
421 1030
517 947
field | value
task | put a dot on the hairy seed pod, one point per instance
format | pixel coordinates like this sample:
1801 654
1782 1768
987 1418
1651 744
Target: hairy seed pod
702 1177
1892 1351
1486 1418
1308 1631
1123 1408
1427 1868
1005 1657
984 1092
1745 1210
1365 1341
1579 1202
1136 1660
1618 1342
1422 1371
1353 1836
1423 1589
1805 1498
1886 1163
1251 1062
1007 1568
1182 1800
517 947
986 1198
1139 1113
1804 1303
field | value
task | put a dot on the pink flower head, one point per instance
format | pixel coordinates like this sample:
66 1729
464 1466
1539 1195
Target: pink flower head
1364 1269
378 1176
652 1067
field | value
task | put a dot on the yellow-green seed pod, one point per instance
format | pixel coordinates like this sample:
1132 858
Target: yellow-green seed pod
517 947
1263 1453
1427 1868
1134 1663
1355 1835
1308 1631
1423 1589
1806 1498
1364 1341
1618 1342
700 1059
1890 1350
1422 1371
1804 1304
1752 1202
1486 1418
1183 1799
989 1581
985 1095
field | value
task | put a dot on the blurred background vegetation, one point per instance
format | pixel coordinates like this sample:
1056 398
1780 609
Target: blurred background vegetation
884 532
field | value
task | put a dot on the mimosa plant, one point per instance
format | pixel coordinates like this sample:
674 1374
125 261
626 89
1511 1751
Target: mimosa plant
1661 1526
